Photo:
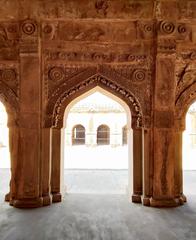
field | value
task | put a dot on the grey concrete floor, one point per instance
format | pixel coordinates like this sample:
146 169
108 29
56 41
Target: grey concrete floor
98 217
96 181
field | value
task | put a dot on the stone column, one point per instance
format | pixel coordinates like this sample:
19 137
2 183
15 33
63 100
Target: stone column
178 162
13 148
56 165
46 165
137 165
147 167
29 181
164 133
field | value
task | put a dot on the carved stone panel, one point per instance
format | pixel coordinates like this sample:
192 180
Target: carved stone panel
9 76
164 90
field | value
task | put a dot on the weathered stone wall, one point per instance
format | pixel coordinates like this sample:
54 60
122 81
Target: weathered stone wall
53 51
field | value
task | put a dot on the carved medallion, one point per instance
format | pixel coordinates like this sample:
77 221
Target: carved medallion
8 75
167 27
139 75
56 74
28 27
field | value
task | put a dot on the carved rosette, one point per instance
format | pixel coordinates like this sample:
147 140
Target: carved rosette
29 27
8 75
139 75
56 74
145 30
167 27
10 78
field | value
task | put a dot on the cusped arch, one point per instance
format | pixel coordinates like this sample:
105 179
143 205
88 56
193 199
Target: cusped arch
10 101
58 103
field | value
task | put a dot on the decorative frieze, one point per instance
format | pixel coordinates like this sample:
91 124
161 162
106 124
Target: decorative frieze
97 57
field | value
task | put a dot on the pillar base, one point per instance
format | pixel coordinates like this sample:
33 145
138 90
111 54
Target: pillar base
7 197
28 203
146 201
184 198
136 198
173 202
56 197
47 200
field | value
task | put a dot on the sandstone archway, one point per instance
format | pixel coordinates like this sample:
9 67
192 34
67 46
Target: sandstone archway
10 101
55 116
183 102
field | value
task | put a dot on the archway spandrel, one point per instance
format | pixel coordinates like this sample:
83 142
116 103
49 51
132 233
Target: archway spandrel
10 100
95 80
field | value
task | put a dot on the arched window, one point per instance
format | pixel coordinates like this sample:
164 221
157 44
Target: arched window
103 135
78 135
124 135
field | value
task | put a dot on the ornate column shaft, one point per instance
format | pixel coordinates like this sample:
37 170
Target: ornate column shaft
147 167
178 161
13 148
56 165
137 165
164 133
46 165
29 182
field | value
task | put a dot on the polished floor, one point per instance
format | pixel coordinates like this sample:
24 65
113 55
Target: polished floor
87 216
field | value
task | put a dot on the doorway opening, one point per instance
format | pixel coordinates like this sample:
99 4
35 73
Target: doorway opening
4 154
189 152
97 145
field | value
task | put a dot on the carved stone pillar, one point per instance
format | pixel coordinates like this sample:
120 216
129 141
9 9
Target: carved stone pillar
13 148
137 165
164 134
178 162
46 165
147 168
28 166
56 165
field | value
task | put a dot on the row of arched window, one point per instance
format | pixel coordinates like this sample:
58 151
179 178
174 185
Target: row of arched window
103 135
